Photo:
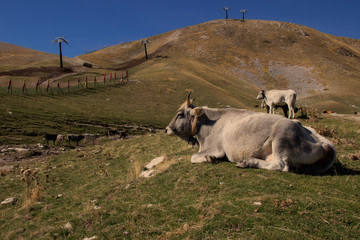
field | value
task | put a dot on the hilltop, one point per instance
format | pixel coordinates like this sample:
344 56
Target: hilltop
250 55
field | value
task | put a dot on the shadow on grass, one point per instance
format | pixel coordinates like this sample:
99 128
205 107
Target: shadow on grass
338 169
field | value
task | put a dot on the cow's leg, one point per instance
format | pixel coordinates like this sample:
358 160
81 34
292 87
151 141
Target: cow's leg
207 156
275 164
272 108
291 111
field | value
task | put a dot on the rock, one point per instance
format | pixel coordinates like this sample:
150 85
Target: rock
257 203
8 201
147 173
154 162
68 226
88 65
41 146
19 149
6 169
91 238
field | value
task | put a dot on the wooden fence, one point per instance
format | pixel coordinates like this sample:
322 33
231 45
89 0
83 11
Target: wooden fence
85 82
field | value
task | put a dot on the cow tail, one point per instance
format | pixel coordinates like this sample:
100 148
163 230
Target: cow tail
329 156
323 164
327 161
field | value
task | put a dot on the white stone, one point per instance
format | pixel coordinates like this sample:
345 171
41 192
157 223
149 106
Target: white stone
68 226
7 201
257 203
154 162
147 173
91 238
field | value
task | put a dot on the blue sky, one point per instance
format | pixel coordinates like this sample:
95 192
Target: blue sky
92 24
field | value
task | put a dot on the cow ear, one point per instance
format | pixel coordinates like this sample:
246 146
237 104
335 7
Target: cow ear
197 112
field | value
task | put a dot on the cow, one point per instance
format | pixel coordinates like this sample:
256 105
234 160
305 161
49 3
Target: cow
285 108
75 138
59 139
275 98
91 137
252 139
50 137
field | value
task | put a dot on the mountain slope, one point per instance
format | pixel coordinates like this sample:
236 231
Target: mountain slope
16 57
255 54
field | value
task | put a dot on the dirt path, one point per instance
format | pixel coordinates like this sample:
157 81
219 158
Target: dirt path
76 71
355 117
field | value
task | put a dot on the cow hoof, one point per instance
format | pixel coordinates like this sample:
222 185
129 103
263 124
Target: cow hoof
242 165
211 159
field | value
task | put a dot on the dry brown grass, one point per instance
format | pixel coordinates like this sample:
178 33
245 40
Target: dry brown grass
33 188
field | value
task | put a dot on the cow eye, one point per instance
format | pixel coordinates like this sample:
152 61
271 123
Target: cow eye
180 115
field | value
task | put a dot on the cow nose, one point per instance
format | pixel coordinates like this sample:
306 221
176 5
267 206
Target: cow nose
169 131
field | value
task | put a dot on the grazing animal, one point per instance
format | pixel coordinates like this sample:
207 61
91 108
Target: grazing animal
50 137
275 98
251 139
91 137
59 139
75 138
285 108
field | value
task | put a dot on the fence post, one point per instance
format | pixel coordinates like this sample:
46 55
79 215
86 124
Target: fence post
24 88
10 86
78 83
68 85
95 83
104 78
127 75
59 87
110 77
86 82
115 76
38 87
48 87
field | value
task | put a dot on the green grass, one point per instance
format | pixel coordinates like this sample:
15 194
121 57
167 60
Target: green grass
102 194
149 98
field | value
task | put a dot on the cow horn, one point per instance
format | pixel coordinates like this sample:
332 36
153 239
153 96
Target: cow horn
188 101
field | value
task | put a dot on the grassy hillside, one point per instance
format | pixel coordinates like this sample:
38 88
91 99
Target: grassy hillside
16 57
223 62
97 191
263 54
20 63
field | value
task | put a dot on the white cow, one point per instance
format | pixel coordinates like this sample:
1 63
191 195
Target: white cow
252 139
275 98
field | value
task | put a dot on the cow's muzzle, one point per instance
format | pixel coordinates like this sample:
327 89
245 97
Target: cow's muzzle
169 131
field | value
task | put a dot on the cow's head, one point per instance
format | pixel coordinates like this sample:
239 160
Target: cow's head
261 95
185 121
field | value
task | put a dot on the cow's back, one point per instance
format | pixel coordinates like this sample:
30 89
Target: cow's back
244 135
